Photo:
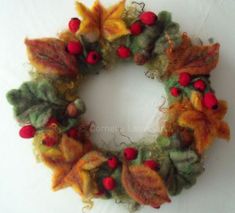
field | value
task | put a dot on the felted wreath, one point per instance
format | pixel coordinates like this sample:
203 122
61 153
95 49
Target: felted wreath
50 111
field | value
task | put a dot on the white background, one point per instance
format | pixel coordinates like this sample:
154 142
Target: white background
122 98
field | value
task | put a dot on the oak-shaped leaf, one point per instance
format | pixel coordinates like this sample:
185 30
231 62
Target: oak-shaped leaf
179 168
184 170
34 102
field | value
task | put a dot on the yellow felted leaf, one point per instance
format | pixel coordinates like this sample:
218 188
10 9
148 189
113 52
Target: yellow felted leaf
115 11
114 28
91 160
196 99
144 185
99 22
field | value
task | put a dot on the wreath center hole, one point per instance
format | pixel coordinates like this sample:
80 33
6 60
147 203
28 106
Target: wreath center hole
122 101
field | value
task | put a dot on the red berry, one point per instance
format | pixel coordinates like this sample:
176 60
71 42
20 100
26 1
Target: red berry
49 141
113 162
199 85
27 131
184 79
93 57
148 18
210 100
136 28
75 47
109 183
123 52
52 121
73 133
175 91
74 24
152 164
130 153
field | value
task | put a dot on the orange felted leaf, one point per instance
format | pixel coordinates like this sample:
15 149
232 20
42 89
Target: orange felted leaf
144 185
72 150
193 59
206 123
60 170
80 177
99 22
173 113
49 56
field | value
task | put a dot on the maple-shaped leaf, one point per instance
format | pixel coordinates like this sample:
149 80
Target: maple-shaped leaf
60 169
80 177
144 185
193 59
60 158
206 123
99 22
49 56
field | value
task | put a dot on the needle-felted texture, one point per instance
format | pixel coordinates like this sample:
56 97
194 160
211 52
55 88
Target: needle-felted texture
49 109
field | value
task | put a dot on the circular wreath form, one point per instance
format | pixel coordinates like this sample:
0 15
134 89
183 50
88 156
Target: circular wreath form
49 109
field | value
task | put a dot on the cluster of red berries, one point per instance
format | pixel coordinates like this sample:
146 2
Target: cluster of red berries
184 80
76 48
147 18
130 153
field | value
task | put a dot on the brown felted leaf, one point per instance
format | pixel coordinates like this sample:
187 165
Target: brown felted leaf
49 56
193 59
144 185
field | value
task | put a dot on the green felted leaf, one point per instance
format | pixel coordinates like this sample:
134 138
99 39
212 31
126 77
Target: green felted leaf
179 168
157 66
145 41
170 30
164 17
187 167
34 102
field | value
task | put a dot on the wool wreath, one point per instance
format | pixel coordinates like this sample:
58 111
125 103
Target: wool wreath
50 111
